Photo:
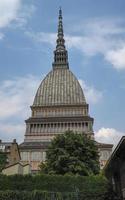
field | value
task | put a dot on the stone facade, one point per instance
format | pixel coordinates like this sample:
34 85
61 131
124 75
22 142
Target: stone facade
11 149
33 153
105 151
17 168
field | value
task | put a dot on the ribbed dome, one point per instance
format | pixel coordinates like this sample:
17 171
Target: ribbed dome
60 87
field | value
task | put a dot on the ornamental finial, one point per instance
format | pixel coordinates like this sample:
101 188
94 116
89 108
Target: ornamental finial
60 24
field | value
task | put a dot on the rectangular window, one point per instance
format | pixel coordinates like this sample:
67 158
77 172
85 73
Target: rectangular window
35 156
44 156
25 156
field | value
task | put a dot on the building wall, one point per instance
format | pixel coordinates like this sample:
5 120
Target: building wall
14 155
60 111
26 169
17 168
14 169
11 150
46 131
104 154
33 157
122 177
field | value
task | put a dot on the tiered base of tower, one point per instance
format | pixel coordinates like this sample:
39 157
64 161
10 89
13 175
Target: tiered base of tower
46 123
45 128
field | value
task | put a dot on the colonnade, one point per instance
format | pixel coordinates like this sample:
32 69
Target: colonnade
57 127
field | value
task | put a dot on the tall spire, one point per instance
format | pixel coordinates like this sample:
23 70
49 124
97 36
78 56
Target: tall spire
60 54
60 25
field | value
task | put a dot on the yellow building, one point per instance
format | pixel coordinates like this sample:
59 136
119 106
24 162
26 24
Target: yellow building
17 168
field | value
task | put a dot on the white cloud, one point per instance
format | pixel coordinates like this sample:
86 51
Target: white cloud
8 11
1 36
108 135
25 13
16 96
93 37
88 45
92 95
102 36
14 14
117 58
9 131
101 26
42 37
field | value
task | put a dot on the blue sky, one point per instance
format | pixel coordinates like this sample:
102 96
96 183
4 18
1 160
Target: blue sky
95 39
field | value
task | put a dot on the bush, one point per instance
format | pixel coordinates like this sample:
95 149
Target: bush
19 187
42 195
3 160
53 183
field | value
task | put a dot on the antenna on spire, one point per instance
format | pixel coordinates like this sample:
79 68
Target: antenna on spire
60 11
60 24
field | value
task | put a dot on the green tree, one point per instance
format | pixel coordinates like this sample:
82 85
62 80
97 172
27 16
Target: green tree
3 159
71 153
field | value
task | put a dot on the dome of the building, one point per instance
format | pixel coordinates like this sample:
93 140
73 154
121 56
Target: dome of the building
59 87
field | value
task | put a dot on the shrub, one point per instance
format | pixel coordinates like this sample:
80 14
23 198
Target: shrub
53 183
43 195
46 187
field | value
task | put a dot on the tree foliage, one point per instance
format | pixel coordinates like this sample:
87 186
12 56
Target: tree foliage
3 159
73 154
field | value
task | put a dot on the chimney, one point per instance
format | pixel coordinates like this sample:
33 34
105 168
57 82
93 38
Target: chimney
14 141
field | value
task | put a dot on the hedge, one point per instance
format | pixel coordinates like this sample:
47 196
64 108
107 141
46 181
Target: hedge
41 195
63 187
53 183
